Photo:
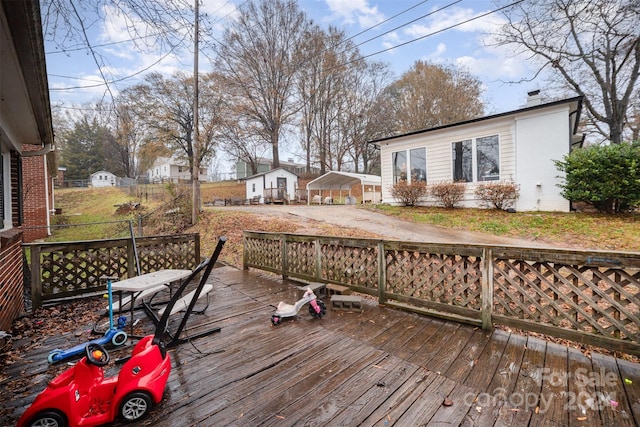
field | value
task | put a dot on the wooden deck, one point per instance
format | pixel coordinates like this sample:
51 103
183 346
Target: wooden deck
378 367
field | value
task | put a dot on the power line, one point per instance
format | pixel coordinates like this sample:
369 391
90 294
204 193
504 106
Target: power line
410 22
105 83
388 19
428 35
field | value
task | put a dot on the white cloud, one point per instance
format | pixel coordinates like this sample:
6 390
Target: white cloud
353 11
450 20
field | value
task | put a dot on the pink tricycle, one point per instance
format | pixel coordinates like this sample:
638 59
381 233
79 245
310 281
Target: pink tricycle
317 308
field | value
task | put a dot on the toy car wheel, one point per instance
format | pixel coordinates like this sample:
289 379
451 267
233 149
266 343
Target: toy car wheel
275 320
119 338
135 406
321 306
48 419
52 355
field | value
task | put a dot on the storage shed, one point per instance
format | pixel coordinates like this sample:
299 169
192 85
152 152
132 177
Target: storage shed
336 182
275 186
103 179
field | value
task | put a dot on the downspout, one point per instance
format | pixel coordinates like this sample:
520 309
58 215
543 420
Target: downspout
46 192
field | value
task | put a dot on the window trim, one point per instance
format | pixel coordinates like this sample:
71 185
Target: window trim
408 166
474 158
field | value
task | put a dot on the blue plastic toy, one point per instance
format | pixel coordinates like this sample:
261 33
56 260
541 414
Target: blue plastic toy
115 335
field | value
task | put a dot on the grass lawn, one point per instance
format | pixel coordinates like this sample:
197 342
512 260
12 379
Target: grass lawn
580 230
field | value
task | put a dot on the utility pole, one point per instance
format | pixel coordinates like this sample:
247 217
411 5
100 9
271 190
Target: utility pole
195 173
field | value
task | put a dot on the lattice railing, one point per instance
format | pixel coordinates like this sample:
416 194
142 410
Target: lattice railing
592 297
435 278
350 264
65 269
263 253
602 301
301 258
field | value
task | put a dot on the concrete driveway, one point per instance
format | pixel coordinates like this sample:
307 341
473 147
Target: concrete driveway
386 226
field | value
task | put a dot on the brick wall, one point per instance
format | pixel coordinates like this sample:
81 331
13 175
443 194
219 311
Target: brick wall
11 278
35 196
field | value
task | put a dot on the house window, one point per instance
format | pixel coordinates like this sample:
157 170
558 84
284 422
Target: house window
418 158
488 158
462 161
479 157
253 187
399 159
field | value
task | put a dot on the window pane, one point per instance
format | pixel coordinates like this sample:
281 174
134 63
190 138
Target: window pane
399 166
418 165
462 161
488 153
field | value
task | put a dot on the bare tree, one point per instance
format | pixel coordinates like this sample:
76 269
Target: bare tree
430 95
152 26
130 134
165 108
243 143
592 47
360 119
259 56
321 87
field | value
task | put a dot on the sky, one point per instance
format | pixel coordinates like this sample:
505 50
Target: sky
397 32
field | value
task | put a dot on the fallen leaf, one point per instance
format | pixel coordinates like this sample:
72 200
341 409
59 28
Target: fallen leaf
447 402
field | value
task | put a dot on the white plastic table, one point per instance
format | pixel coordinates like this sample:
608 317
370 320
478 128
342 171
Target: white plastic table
138 284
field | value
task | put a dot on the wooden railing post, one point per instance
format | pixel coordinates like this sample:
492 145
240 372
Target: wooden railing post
196 250
487 289
285 261
131 259
244 252
382 273
36 278
318 259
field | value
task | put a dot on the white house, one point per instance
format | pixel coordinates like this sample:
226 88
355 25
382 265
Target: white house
103 179
170 169
519 145
275 186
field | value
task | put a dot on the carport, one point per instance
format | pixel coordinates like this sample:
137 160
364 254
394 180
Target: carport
344 181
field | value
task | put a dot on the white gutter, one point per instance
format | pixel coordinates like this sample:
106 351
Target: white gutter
41 152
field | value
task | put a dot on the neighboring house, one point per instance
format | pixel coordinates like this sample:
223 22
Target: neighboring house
167 169
26 138
103 179
518 146
243 169
275 186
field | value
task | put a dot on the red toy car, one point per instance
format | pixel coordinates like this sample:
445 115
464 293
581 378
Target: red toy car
83 396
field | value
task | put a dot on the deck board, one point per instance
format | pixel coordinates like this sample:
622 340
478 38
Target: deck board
372 367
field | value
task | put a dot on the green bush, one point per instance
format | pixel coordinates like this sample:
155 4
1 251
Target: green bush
606 177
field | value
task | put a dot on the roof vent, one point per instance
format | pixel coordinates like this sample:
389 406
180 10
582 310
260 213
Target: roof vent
534 98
